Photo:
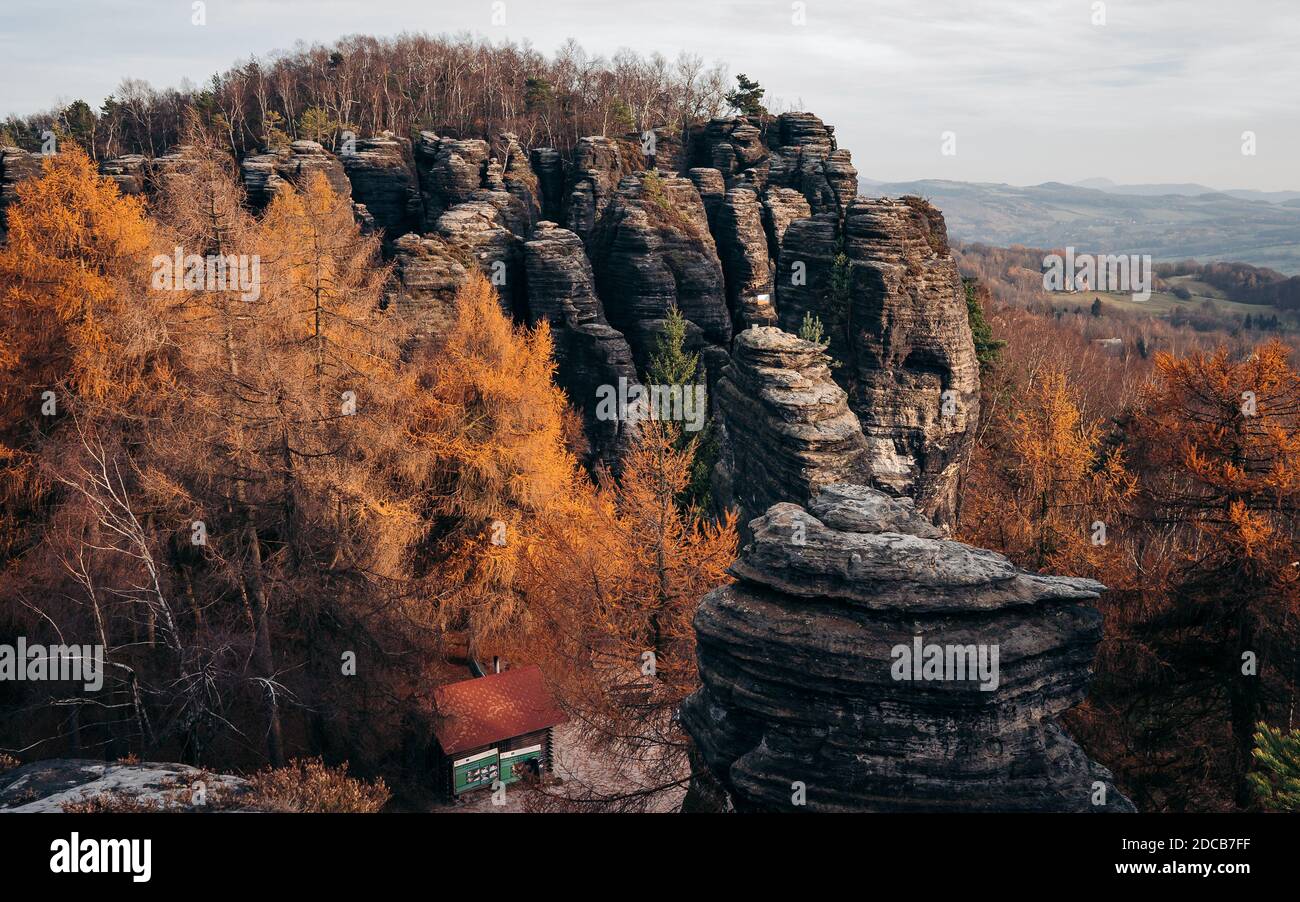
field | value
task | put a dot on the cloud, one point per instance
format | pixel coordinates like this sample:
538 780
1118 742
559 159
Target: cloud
1035 91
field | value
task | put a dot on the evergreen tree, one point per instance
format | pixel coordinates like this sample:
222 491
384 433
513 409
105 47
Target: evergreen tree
669 363
811 329
987 348
1276 777
747 98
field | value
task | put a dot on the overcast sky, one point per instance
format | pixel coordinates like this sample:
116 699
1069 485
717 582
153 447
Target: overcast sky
1033 89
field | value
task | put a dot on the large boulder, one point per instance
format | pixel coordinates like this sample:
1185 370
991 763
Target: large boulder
863 663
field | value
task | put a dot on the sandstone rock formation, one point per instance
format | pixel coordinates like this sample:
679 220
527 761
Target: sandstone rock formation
427 273
712 188
787 426
479 229
49 785
810 702
263 174
734 146
807 158
561 286
589 353
653 252
599 164
129 171
742 244
887 291
16 165
382 175
450 171
782 206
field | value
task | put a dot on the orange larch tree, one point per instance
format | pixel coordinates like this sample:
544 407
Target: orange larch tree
1217 445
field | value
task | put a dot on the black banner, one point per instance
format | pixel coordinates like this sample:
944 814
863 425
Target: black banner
563 852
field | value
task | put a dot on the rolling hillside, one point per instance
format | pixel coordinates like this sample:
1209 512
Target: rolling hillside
1205 227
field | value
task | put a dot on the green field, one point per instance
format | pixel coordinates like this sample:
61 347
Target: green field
1161 303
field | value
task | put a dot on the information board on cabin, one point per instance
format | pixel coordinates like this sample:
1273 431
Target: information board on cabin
515 763
475 771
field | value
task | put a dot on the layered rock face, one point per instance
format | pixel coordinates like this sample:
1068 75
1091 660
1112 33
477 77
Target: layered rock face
16 165
129 171
895 314
742 244
807 159
599 164
787 427
862 662
427 273
383 180
264 174
589 353
654 252
455 171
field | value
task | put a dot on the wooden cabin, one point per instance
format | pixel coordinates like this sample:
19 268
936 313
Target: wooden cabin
494 727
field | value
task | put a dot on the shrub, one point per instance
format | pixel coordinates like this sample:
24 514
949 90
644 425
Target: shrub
307 785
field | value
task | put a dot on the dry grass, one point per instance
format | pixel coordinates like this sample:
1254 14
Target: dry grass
113 803
309 786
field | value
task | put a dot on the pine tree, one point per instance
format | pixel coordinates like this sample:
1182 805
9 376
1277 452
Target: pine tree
315 123
812 330
1276 777
987 348
747 98
669 363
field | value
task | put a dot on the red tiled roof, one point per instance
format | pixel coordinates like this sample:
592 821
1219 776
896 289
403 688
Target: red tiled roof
492 708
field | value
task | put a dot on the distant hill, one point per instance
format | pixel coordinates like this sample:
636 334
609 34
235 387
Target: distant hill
1187 189
1205 227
